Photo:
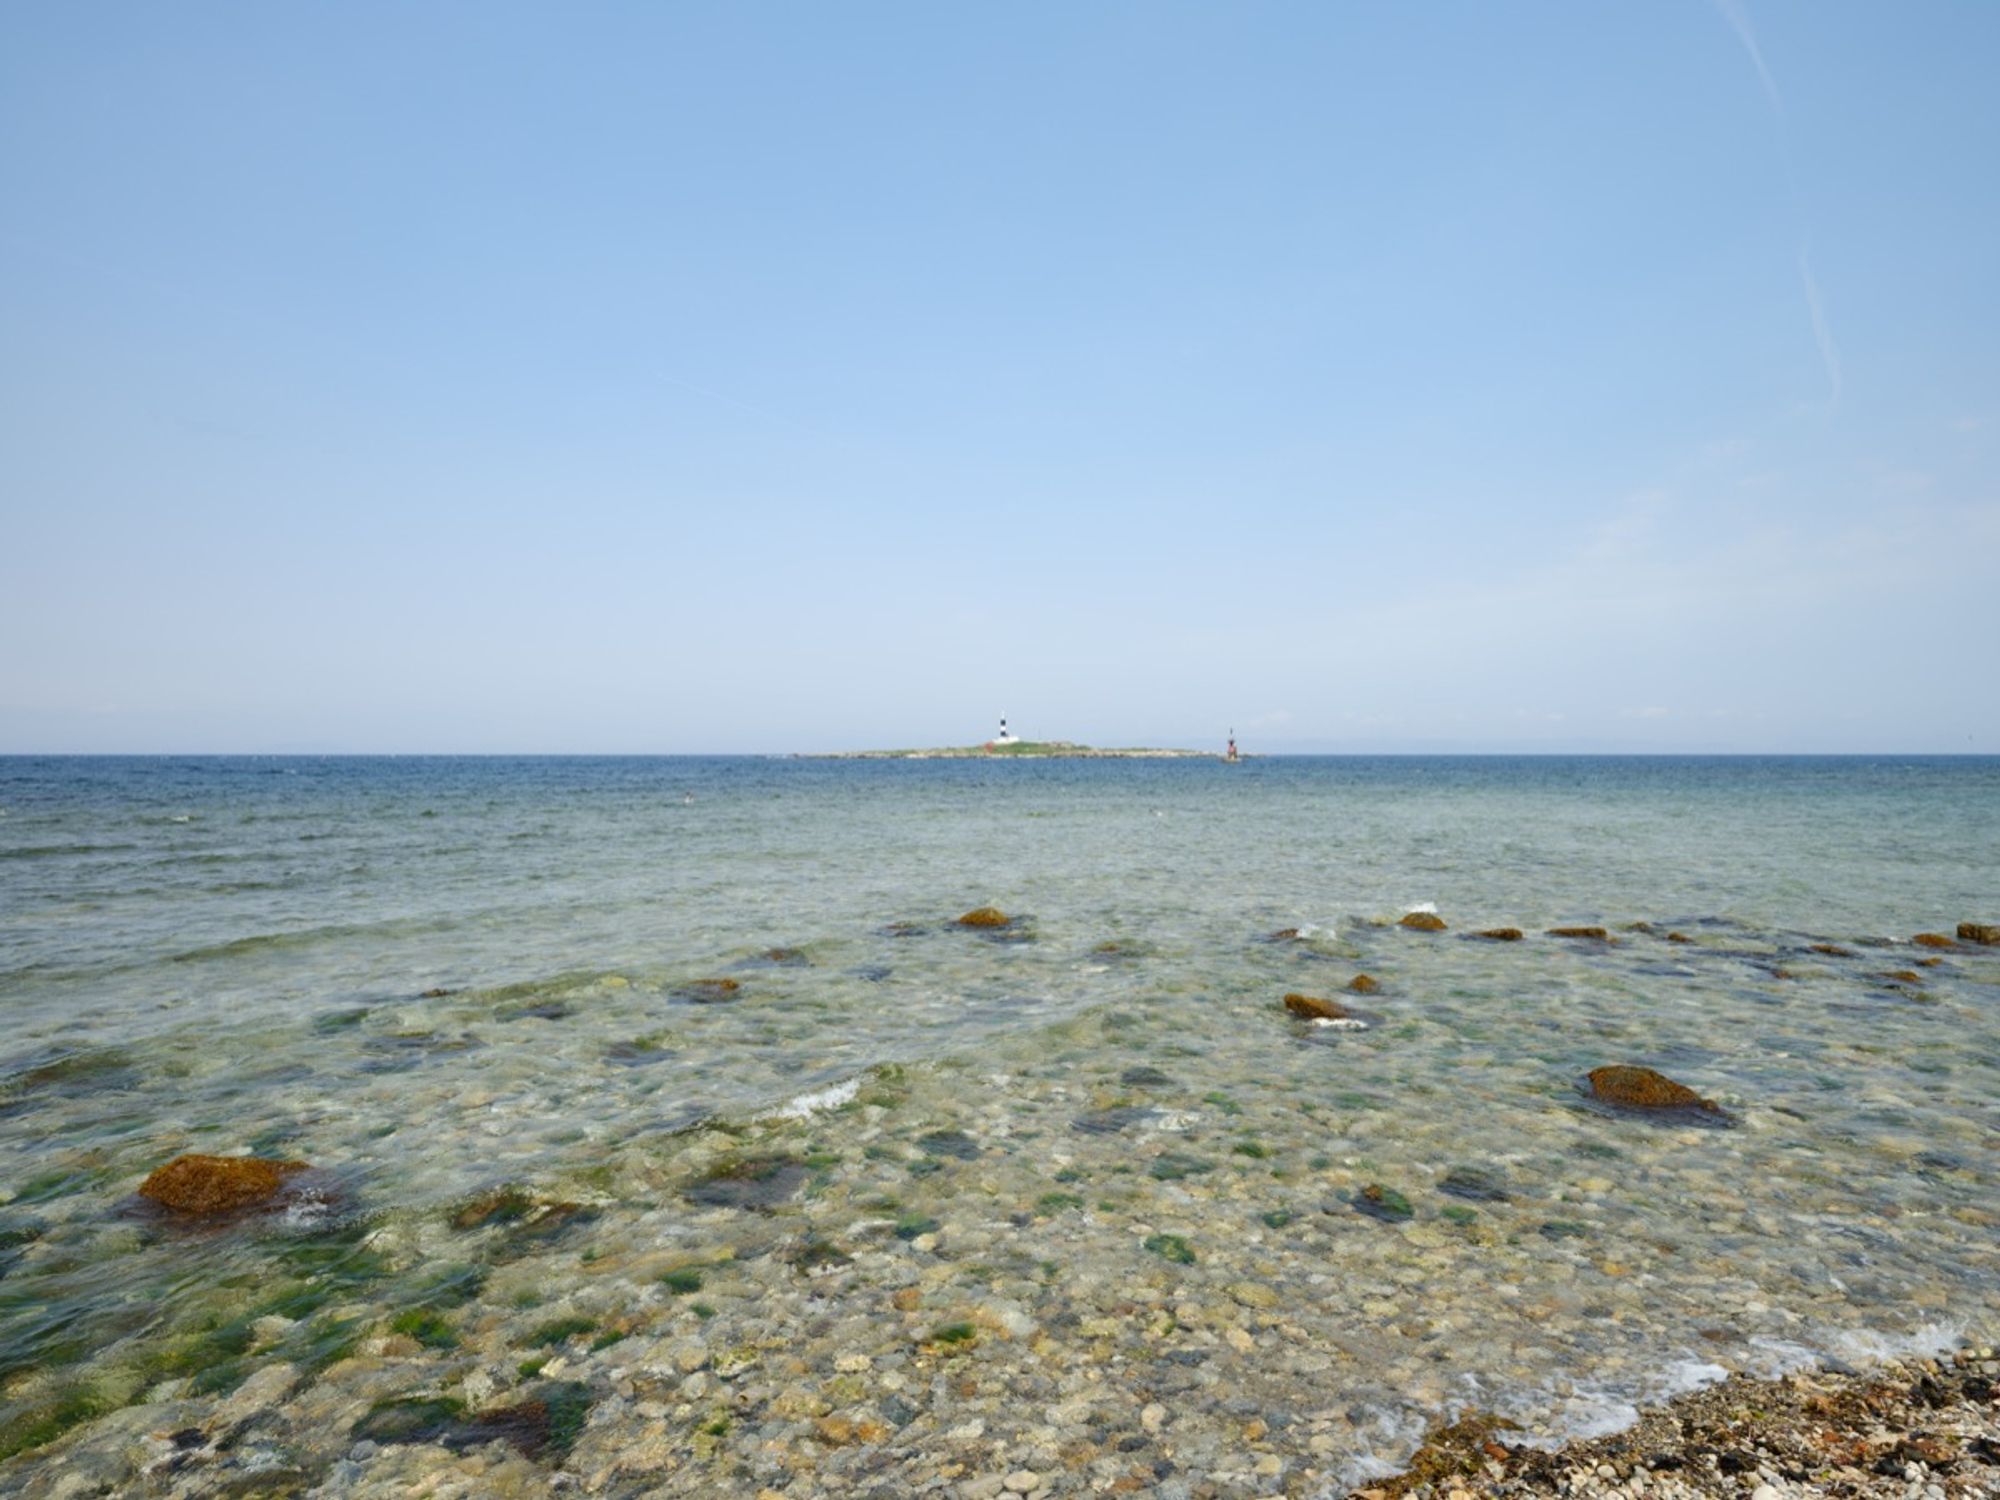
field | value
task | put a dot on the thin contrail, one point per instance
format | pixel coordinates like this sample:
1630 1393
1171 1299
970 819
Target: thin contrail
1738 18
1828 352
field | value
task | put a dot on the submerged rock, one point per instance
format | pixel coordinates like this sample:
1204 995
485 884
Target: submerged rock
1832 950
708 991
1679 937
1112 1121
1312 1008
985 916
1933 940
784 958
1501 934
1478 1184
1363 984
1642 1088
1979 932
755 1182
1422 921
205 1185
1595 934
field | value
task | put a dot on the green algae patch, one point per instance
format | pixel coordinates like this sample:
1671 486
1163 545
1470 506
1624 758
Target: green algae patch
911 1226
682 1282
1171 1247
43 1423
560 1331
427 1328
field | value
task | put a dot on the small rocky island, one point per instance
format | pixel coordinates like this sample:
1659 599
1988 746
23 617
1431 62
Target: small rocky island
1024 749
1006 742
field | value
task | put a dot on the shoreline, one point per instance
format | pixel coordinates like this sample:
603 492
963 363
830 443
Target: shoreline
1926 1427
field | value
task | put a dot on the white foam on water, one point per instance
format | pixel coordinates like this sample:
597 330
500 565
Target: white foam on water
1340 1023
804 1106
1428 908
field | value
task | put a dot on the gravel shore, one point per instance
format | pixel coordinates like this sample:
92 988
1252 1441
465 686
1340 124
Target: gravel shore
1925 1430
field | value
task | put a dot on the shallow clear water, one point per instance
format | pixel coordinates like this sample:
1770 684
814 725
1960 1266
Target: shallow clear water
228 954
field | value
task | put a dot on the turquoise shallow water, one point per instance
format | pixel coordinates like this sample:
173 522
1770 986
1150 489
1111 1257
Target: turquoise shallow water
229 954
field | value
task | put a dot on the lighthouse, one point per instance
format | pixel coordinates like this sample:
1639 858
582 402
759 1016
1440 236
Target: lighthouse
1006 736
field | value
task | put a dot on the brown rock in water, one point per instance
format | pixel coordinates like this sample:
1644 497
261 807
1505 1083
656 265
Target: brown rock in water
1595 934
1679 937
434 993
984 916
204 1185
1929 963
1904 976
1312 1008
1933 940
1642 1088
1833 950
1979 932
709 991
1501 934
1363 984
1423 921
1284 935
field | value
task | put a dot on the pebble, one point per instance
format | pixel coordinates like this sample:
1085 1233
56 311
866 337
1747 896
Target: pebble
1023 1481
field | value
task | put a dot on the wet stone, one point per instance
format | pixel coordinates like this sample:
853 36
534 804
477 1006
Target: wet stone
1933 940
1500 934
1587 934
1145 1078
986 917
1364 984
1112 1121
1422 921
1984 933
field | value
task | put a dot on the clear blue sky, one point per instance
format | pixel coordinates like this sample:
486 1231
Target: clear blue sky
794 376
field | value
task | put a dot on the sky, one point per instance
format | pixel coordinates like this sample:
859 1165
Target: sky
715 377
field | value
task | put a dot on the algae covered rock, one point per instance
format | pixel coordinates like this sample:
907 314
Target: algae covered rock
1979 932
1363 984
985 916
1933 940
1384 1203
1312 1008
1501 934
1422 921
1642 1088
201 1186
1594 934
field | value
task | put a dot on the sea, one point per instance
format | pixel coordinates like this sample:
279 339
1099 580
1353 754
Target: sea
1094 1139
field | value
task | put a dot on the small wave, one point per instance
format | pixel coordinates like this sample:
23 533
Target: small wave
54 851
804 1106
